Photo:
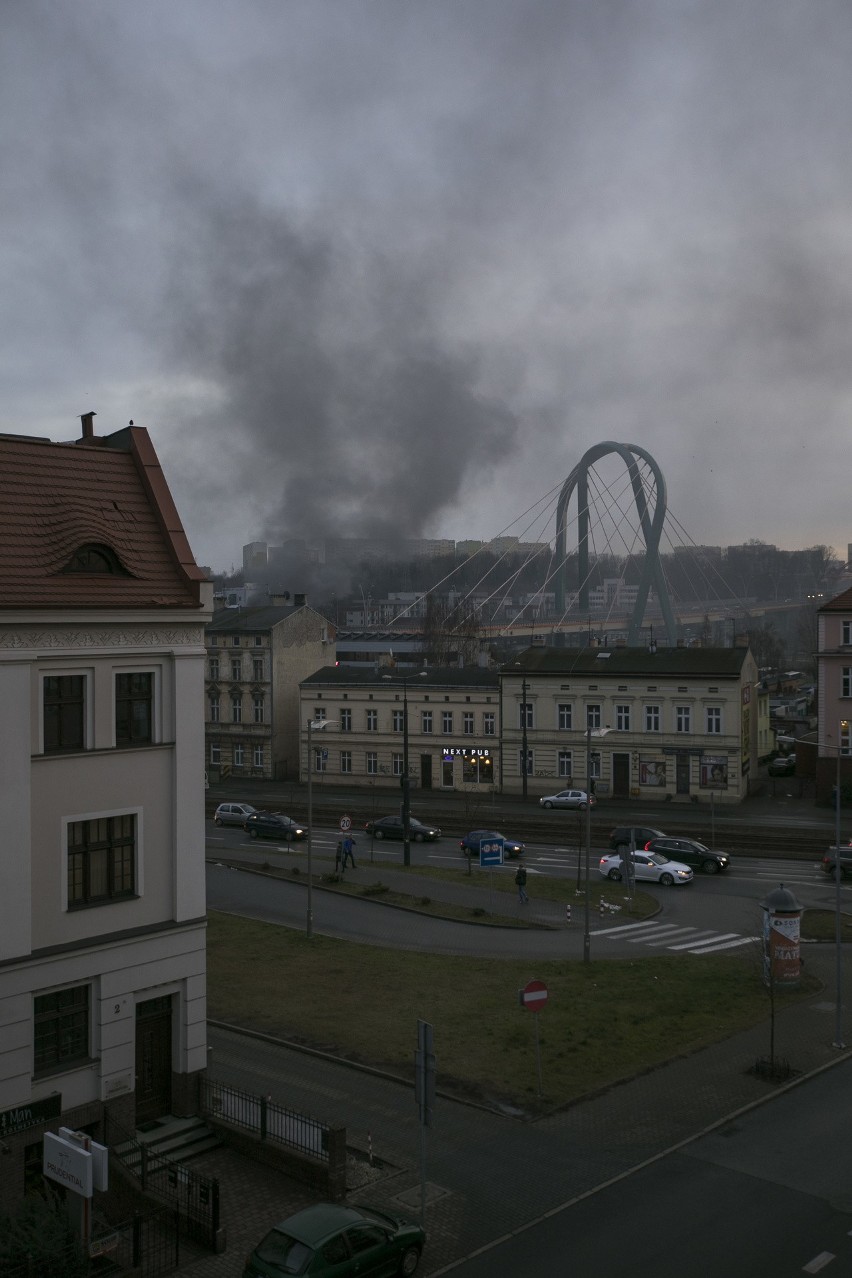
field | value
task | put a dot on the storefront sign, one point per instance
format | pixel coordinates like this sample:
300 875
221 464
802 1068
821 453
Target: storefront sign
472 752
22 1117
67 1164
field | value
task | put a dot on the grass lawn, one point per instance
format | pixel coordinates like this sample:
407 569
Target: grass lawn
602 1022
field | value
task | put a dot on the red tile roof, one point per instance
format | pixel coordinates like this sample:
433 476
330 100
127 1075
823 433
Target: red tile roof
56 498
840 603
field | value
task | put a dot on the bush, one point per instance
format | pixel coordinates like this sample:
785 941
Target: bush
39 1241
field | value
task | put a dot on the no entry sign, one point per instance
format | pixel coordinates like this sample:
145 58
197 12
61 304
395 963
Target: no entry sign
533 996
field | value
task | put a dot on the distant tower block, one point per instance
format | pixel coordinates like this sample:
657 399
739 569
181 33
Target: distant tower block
650 522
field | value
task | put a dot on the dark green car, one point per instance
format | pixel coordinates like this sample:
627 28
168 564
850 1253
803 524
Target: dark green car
339 1241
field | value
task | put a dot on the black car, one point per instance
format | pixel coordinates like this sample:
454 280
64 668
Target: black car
619 839
831 862
390 827
273 825
471 841
784 765
691 853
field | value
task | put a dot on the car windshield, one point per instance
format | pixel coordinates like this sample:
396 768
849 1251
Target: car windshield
658 858
286 1253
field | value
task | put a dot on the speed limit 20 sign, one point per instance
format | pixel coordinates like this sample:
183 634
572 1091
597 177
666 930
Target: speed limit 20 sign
345 823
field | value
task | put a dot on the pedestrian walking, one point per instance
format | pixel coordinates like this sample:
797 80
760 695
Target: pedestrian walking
521 880
348 853
338 855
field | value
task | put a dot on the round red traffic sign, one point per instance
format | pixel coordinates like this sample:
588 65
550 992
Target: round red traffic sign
345 823
534 995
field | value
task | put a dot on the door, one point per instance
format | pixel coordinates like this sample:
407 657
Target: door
153 1059
682 772
621 775
426 771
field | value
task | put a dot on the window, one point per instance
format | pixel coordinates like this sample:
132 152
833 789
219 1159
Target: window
239 756
595 766
476 770
682 719
447 722
214 667
64 712
652 718
398 719
345 720
846 681
345 760
257 756
622 718
425 720
714 719
593 716
61 1029
372 760
320 760
397 761
845 740
257 669
258 641
258 709
235 641
564 715
372 720
847 633
488 724
236 710
214 709
564 763
319 712
101 859
529 762
215 752
134 709
467 723
529 714
236 670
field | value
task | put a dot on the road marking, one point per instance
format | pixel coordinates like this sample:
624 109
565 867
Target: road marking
819 1262
728 945
700 940
629 927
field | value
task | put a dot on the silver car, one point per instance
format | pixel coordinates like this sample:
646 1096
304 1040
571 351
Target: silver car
567 799
232 813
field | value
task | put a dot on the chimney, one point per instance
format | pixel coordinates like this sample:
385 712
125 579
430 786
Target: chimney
299 601
88 425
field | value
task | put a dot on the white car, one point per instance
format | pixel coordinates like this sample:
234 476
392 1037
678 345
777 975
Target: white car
232 813
567 799
651 867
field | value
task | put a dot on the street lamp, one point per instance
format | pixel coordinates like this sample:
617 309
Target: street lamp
313 725
406 792
590 732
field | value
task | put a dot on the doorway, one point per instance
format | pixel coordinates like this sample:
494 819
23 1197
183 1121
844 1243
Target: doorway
682 772
621 775
426 771
153 1059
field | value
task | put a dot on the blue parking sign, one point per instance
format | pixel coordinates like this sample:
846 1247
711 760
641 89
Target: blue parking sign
491 851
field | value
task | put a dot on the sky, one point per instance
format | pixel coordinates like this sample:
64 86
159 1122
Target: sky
391 269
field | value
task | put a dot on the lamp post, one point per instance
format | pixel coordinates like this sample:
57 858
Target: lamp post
590 732
313 724
843 729
406 792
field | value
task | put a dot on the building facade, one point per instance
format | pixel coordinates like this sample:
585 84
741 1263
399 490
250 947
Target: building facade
256 658
834 697
102 904
643 723
452 717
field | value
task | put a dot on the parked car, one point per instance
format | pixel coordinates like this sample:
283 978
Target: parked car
620 837
651 867
831 860
233 813
567 799
343 1241
273 825
471 841
782 766
691 852
390 827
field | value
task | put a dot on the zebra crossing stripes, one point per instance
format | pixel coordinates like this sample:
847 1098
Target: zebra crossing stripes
671 936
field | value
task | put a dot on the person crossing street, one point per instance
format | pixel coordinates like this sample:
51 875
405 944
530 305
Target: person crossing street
521 880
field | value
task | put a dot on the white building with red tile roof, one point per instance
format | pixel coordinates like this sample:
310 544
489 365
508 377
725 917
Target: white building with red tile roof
102 899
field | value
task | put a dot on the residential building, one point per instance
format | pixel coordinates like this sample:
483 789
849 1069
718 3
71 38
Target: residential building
102 899
453 726
678 723
256 659
834 697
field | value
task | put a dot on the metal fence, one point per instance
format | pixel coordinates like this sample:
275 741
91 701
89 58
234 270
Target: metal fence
265 1118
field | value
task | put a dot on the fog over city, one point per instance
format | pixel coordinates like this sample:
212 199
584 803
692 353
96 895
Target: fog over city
373 269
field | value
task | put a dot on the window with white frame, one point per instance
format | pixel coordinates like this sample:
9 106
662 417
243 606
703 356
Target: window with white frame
846 635
846 681
257 669
214 667
235 642
593 716
622 718
258 709
257 756
467 723
398 720
372 720
320 759
683 718
397 763
564 763
652 718
215 753
565 715
714 720
61 1022
236 709
447 722
239 756
101 860
425 720
64 713
319 713
372 762
489 724
236 670
845 739
528 707
345 760
345 720
214 709
595 765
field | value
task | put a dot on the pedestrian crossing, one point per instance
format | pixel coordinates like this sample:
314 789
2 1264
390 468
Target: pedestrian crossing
670 936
